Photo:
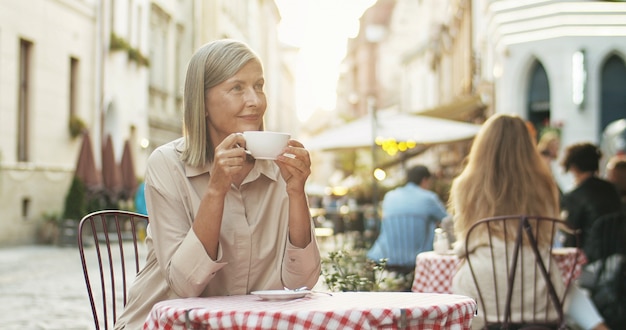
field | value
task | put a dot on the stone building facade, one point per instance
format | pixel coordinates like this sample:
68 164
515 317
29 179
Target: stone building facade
117 68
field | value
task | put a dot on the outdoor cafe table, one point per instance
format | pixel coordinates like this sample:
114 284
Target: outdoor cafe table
434 272
347 310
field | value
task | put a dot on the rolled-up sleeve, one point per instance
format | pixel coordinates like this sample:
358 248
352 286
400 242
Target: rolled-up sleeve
189 277
301 265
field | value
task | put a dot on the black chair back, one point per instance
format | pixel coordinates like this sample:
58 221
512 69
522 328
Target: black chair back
110 244
512 294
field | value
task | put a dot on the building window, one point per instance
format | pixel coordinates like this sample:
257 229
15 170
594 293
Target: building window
613 91
539 97
26 208
159 23
23 101
112 16
73 88
139 28
129 24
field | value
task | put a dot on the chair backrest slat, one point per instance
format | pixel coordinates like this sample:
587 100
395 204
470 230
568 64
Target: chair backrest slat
107 240
513 242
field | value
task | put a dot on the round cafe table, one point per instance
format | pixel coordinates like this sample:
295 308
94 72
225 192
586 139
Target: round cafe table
342 310
434 271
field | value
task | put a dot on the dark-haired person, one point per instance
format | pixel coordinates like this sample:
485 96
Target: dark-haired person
592 196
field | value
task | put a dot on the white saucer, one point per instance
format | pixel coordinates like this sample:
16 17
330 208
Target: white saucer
280 294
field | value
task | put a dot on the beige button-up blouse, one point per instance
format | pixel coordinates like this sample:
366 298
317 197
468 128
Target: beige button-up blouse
254 249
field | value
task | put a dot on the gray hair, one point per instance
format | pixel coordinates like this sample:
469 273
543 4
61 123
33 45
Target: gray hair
211 65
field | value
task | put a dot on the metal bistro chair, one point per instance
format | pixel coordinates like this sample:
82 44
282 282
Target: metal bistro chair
108 241
508 279
605 275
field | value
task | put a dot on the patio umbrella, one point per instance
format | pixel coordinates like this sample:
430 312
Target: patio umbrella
110 171
127 169
86 169
422 130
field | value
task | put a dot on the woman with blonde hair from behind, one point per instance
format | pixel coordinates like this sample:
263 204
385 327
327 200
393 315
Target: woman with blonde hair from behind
504 175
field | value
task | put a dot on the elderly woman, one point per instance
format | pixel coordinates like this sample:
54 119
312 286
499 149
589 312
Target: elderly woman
222 223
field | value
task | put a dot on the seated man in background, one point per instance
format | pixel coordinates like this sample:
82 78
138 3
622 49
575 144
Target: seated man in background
410 215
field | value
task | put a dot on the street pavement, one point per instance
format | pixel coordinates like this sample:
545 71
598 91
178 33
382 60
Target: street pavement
42 287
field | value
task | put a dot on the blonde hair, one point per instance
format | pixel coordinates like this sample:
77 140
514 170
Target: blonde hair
504 175
546 142
209 66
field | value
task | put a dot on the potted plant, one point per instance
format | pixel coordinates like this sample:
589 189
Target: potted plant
48 230
75 208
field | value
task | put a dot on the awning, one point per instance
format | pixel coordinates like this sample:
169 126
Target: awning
86 165
127 171
111 175
422 130
462 109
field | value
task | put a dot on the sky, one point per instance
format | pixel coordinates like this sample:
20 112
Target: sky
321 29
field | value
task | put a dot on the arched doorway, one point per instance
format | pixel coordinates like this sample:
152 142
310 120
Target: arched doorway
613 91
538 107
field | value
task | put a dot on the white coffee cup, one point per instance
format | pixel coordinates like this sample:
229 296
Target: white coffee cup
265 144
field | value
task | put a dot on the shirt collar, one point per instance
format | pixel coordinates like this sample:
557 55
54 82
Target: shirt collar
263 167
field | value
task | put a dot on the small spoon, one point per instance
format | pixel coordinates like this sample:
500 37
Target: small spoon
304 288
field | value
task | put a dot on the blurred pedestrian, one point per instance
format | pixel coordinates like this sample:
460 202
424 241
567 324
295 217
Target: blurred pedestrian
548 146
140 199
616 173
591 197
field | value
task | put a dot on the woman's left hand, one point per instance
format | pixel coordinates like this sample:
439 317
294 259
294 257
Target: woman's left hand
295 166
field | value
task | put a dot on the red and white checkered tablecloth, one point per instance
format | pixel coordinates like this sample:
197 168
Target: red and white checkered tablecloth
343 310
434 272
566 258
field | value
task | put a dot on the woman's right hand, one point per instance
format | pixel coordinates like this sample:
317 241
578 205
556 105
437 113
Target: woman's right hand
228 162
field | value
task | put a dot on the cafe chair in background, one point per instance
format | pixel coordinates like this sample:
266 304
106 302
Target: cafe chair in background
607 236
111 246
502 279
605 275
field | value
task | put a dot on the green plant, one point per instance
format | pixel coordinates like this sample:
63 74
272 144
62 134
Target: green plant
75 200
351 271
344 270
53 217
76 126
118 43
135 55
